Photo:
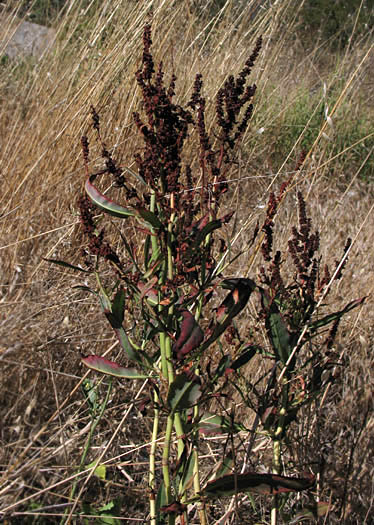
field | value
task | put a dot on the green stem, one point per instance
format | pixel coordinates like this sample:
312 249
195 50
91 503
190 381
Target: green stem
277 448
152 462
165 464
94 422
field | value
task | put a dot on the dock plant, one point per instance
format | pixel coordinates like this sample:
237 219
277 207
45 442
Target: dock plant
174 304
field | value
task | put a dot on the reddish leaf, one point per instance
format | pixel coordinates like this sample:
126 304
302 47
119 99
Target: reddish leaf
190 336
100 364
256 483
102 202
174 508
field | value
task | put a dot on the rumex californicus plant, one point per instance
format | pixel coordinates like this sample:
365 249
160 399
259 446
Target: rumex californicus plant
168 279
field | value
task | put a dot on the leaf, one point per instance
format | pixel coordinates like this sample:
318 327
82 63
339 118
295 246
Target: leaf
223 365
209 228
319 509
187 474
183 393
104 203
190 336
100 470
336 315
100 364
215 424
281 338
161 501
245 356
136 175
66 265
175 508
124 341
226 465
150 218
233 304
256 483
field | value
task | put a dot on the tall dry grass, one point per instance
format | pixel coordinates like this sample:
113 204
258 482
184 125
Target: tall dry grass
307 99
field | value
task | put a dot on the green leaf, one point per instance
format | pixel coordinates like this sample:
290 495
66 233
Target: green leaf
161 501
100 470
124 341
150 218
104 203
136 175
336 315
66 265
215 424
183 393
187 474
100 364
90 393
226 466
281 339
209 228
256 483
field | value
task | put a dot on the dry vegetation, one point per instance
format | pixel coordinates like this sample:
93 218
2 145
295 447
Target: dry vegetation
307 99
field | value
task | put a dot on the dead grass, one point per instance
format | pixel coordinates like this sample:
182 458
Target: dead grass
46 323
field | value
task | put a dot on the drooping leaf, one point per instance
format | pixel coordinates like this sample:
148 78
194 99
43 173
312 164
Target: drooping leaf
183 393
150 218
190 336
216 424
104 203
256 483
233 304
66 265
100 364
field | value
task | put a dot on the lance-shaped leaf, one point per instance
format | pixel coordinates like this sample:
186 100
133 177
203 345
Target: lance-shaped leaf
183 393
336 315
233 304
103 202
100 364
256 483
150 218
215 424
190 336
66 265
282 340
114 312
187 470
247 353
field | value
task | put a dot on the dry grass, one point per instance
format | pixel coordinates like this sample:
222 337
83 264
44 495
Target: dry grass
45 323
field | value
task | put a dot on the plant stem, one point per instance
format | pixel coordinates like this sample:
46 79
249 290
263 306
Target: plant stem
152 462
165 463
94 422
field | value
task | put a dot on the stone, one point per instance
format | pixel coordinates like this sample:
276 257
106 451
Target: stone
29 39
